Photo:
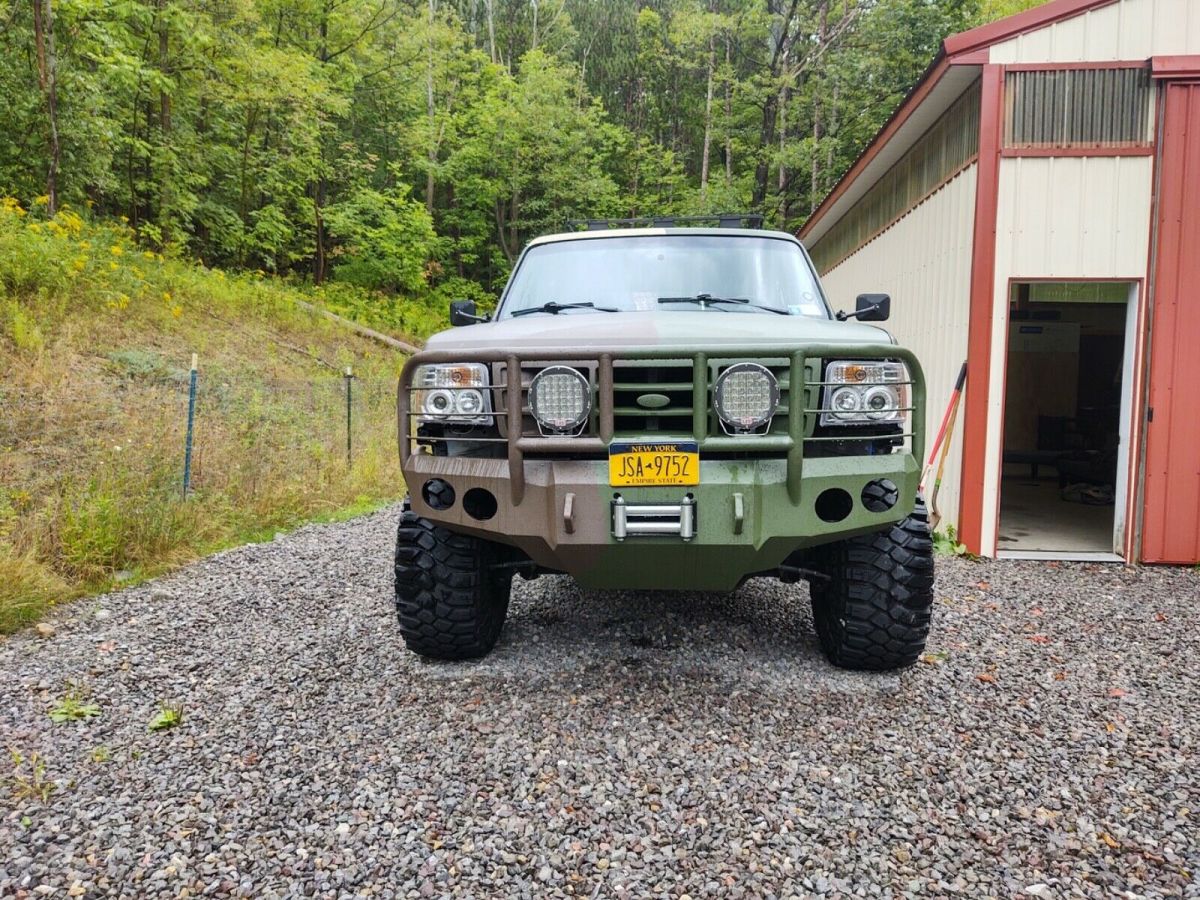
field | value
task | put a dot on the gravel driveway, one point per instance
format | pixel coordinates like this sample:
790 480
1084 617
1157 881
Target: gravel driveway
614 745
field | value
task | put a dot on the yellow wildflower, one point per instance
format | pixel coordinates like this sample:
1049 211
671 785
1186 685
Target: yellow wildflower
177 311
116 250
85 245
148 254
113 266
69 221
43 200
167 296
79 264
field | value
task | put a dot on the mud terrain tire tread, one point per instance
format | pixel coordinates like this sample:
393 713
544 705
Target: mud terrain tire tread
450 602
874 611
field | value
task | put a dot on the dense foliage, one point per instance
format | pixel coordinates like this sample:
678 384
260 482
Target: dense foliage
413 144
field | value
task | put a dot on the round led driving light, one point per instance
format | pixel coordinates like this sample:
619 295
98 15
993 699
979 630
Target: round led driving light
560 399
747 395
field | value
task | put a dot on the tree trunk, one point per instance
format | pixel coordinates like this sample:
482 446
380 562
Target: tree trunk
431 113
783 40
762 170
491 23
498 210
47 58
708 102
822 37
728 116
783 99
320 187
319 260
830 128
164 124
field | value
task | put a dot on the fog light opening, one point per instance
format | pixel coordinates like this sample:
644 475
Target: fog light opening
833 505
437 494
480 504
881 495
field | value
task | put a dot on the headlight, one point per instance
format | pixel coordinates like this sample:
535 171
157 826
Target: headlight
560 399
746 397
864 393
453 394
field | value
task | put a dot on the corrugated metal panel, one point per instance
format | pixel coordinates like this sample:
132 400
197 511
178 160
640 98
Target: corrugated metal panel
951 143
1129 29
1060 217
1171 517
930 292
1073 217
1078 108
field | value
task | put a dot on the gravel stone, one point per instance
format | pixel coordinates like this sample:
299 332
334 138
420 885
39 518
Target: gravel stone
613 745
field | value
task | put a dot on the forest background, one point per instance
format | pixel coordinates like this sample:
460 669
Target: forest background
410 147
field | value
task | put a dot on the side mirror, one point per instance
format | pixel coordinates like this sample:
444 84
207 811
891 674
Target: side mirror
462 312
873 307
869 308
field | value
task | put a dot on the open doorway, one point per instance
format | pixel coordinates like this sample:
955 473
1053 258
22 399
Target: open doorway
1066 412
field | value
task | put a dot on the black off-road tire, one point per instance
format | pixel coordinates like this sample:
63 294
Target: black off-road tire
873 613
451 599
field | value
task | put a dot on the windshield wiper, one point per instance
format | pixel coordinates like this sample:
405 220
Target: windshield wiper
555 308
705 299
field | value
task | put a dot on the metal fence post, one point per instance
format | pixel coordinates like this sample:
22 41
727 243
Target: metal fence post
349 396
191 423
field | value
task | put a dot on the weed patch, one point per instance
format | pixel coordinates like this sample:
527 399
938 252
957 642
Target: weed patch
74 705
27 779
169 715
96 339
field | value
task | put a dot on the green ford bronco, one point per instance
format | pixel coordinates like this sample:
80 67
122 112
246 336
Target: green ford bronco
665 408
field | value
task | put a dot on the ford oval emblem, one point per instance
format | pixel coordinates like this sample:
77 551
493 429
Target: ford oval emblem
653 401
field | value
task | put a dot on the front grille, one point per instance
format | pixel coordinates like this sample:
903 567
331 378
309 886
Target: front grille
652 379
638 392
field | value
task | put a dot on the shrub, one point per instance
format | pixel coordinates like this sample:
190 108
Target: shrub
384 241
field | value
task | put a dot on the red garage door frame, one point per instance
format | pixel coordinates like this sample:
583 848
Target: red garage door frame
1170 516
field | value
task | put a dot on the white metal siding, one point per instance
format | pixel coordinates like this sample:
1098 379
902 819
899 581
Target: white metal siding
1126 30
924 262
1064 217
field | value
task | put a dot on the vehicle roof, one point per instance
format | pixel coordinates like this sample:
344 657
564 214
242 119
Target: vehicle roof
648 232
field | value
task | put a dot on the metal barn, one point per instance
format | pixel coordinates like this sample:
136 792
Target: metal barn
1033 208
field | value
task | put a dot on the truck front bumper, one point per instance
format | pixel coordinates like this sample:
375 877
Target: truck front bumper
743 519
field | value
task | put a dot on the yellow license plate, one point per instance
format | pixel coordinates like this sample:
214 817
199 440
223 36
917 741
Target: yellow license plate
644 465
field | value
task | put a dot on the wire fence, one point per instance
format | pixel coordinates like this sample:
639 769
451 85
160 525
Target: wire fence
211 430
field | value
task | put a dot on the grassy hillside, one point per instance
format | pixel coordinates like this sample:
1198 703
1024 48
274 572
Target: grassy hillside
96 338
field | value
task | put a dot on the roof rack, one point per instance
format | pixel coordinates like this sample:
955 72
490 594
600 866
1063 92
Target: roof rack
722 220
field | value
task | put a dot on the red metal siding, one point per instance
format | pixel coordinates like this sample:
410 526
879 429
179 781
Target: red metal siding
1171 516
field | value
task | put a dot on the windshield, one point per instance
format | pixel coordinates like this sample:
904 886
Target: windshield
634 273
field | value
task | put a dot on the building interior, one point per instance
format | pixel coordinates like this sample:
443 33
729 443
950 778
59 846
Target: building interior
1062 418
